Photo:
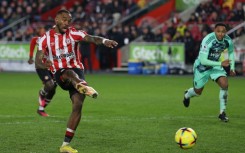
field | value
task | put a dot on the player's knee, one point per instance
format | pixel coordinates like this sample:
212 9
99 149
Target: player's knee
223 83
198 92
77 106
77 101
224 86
50 86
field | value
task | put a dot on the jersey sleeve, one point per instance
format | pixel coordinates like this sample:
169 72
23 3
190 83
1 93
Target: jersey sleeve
203 55
33 43
78 35
42 44
83 33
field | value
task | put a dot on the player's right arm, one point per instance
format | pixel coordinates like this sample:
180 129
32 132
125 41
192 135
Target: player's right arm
203 55
42 45
205 61
32 47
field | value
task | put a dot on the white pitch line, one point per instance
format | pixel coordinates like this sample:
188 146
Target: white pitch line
94 119
19 123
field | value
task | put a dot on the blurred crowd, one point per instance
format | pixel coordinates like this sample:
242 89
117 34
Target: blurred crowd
96 16
200 23
12 10
87 14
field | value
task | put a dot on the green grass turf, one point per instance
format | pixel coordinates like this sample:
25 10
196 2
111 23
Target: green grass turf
133 114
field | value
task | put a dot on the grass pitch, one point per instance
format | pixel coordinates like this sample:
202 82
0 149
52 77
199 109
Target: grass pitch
133 114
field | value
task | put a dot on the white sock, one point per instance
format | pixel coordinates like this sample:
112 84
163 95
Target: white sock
190 93
41 108
65 143
223 94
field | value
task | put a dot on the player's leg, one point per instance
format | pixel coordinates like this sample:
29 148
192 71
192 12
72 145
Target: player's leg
223 95
73 122
65 82
49 88
219 75
72 75
46 94
199 80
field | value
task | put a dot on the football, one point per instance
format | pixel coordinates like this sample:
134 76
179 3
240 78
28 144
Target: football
185 138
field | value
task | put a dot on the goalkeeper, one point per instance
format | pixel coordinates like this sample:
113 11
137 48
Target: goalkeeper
208 65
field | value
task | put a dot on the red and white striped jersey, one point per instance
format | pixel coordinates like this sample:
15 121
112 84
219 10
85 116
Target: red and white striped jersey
62 49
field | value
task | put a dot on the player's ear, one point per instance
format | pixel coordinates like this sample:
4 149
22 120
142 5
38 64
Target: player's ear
56 20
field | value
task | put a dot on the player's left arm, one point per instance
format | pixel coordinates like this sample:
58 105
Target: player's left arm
231 55
100 40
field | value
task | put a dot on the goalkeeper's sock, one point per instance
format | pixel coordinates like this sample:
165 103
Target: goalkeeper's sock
190 93
223 94
68 136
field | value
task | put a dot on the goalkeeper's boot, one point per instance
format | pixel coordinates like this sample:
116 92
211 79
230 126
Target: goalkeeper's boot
186 101
42 113
87 90
223 117
68 149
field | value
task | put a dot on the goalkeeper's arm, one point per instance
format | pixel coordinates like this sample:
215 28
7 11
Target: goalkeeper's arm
231 55
205 61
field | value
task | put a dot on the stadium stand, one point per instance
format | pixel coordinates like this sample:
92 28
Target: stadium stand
19 20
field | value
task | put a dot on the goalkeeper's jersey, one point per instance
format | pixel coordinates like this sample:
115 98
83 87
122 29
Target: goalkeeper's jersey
211 49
